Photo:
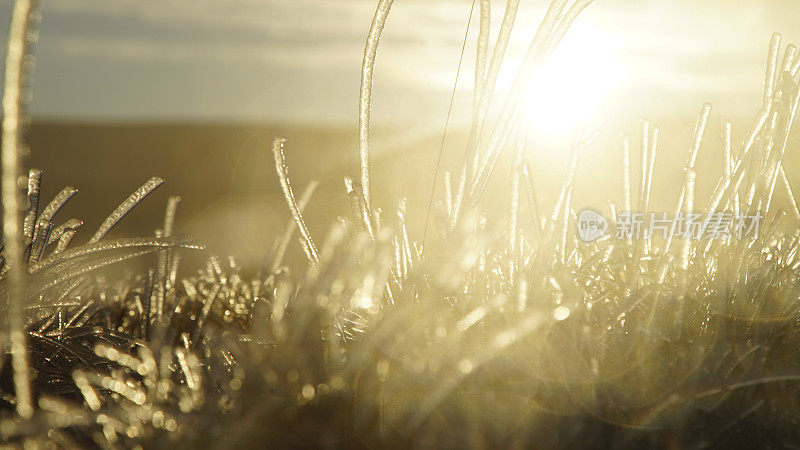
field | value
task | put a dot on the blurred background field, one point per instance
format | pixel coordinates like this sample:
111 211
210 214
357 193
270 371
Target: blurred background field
231 198
194 91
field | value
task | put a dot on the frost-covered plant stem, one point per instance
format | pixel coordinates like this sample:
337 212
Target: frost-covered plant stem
365 95
13 118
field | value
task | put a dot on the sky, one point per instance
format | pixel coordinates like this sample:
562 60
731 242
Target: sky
299 60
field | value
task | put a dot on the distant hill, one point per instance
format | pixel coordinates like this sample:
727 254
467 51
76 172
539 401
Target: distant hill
224 173
232 201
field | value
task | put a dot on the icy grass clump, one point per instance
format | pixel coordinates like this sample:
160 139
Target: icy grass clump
499 331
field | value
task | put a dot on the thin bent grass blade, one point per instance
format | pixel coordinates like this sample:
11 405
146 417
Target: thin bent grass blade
125 207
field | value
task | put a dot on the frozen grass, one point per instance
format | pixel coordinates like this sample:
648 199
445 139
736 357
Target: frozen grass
500 331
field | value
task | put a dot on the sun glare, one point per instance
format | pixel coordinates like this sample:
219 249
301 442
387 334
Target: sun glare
569 89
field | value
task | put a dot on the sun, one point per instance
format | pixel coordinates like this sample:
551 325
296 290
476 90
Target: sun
568 89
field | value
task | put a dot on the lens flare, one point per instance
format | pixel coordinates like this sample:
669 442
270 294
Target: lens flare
569 88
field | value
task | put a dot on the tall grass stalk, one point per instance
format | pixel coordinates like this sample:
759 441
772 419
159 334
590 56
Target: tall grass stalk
365 94
17 64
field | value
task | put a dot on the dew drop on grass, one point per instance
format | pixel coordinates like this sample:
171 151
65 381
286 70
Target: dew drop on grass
561 313
465 366
308 392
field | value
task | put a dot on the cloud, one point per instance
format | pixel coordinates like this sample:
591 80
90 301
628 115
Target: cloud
661 44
